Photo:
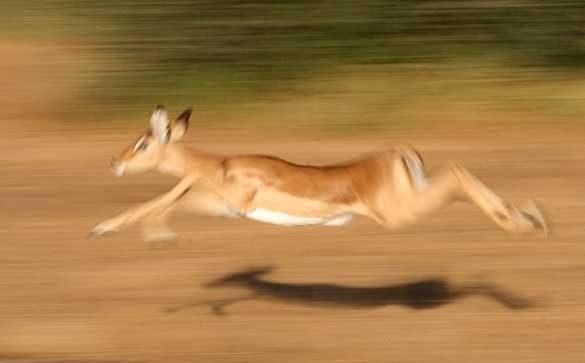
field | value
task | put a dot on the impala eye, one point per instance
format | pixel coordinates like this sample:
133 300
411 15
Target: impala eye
143 146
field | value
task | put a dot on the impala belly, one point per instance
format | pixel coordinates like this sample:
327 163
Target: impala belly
283 209
275 191
264 215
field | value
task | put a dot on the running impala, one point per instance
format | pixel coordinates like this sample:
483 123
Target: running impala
389 187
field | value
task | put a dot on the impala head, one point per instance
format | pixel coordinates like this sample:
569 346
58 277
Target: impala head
146 152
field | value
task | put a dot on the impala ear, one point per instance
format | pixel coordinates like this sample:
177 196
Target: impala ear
180 125
159 124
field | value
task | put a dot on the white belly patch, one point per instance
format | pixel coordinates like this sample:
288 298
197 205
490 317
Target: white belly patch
284 219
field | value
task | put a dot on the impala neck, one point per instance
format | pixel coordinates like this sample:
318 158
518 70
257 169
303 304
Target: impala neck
178 160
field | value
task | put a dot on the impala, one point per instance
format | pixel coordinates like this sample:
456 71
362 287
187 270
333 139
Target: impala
389 187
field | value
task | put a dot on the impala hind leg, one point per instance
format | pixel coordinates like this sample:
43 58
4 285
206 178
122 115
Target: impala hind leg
413 195
414 200
456 183
515 220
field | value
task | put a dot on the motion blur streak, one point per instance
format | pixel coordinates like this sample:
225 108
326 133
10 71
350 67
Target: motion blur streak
496 85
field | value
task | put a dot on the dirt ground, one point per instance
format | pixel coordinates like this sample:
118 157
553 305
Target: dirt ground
119 299
451 289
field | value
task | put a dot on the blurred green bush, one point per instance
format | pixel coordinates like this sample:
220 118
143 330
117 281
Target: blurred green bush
213 51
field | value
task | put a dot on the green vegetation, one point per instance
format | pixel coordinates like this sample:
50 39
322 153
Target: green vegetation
211 52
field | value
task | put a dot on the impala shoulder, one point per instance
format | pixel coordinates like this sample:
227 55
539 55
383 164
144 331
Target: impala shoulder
231 167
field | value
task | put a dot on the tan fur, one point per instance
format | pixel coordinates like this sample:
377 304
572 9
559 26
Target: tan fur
382 186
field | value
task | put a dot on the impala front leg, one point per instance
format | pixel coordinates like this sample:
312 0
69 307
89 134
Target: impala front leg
199 200
133 215
155 226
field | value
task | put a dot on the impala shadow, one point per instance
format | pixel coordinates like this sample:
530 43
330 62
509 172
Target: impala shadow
423 294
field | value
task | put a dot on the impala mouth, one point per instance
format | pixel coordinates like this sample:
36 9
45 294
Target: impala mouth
119 170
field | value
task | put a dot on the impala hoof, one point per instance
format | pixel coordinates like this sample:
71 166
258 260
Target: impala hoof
101 230
537 217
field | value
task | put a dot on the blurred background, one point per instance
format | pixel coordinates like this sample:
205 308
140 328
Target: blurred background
498 85
340 64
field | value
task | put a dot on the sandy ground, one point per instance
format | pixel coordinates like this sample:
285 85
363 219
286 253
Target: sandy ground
119 299
351 294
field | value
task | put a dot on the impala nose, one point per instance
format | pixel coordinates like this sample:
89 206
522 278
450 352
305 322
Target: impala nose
113 163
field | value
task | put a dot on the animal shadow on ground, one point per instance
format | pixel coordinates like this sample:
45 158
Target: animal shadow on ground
418 295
